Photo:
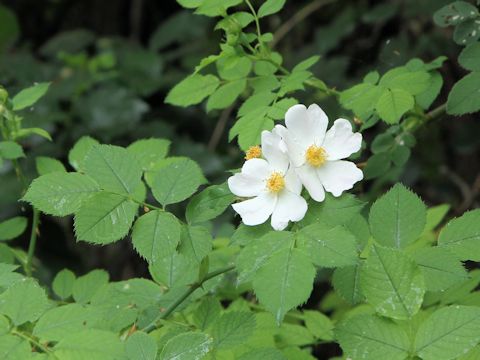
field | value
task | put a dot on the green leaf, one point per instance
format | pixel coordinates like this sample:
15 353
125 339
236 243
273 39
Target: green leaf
462 236
61 194
463 98
327 246
156 235
454 13
25 132
141 346
226 94
207 312
440 268
306 64
11 150
392 283
270 7
371 338
29 96
426 98
346 282
397 218
24 301
269 353
14 347
190 4
63 283
448 333
361 99
467 32
192 90
10 28
318 324
413 82
216 7
114 168
175 179
232 328
196 242
60 321
234 67
86 286
104 218
284 282
249 128
12 228
90 345
246 234
149 151
469 58
46 165
187 346
209 204
278 110
77 155
173 270
393 103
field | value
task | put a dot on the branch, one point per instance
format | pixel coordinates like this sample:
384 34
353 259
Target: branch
219 128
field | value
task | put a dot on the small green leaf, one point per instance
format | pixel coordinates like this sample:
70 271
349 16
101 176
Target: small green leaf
207 312
469 58
187 346
63 283
226 94
14 347
232 328
87 285
270 7
11 150
29 96
463 98
46 165
346 282
192 90
209 204
173 269
319 324
12 228
141 346
393 103
149 151
196 242
77 155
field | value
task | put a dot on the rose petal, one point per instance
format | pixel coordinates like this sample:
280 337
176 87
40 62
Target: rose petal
289 207
338 176
340 141
271 150
257 210
309 178
244 185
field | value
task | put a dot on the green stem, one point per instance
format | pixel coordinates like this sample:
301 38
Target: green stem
191 289
33 341
257 22
437 112
33 242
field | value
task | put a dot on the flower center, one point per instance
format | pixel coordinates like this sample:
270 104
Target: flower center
275 182
253 152
316 155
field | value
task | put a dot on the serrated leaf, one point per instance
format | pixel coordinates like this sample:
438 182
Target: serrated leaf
469 58
173 270
113 168
209 204
448 333
156 235
249 128
284 281
328 247
226 94
10 150
46 165
393 103
141 346
270 7
187 346
192 90
85 287
361 99
77 155
149 151
232 329
63 282
462 236
12 228
29 96
207 312
104 218
371 338
463 98
14 347
196 242
397 218
346 282
392 283
319 324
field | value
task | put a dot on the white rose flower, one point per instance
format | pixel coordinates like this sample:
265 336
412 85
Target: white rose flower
317 153
272 184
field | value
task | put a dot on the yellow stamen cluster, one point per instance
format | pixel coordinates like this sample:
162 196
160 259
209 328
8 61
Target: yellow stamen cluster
316 156
275 182
253 152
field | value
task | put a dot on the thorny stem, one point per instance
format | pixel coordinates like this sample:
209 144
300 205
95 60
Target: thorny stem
33 241
191 289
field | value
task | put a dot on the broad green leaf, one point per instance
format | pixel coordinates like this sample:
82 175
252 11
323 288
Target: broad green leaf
215 7
265 353
372 338
226 94
393 103
141 346
426 98
12 228
327 246
173 269
318 324
293 335
397 218
413 82
192 90
284 281
346 282
448 333
29 96
207 312
454 13
234 67
463 98
278 110
156 234
46 165
469 58
190 4
246 234
361 99
149 151
87 285
249 128
23 301
77 155
175 179
61 194
105 218
10 28
209 204
306 64
260 100
10 150
113 168
196 242
467 32
25 132
435 215
462 236
60 321
63 283
90 344
187 346
270 7
13 347
440 268
232 328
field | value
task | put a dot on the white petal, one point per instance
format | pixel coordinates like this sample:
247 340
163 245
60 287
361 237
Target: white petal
272 151
290 207
257 168
338 176
257 210
292 182
295 150
309 178
318 123
298 125
340 141
244 185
